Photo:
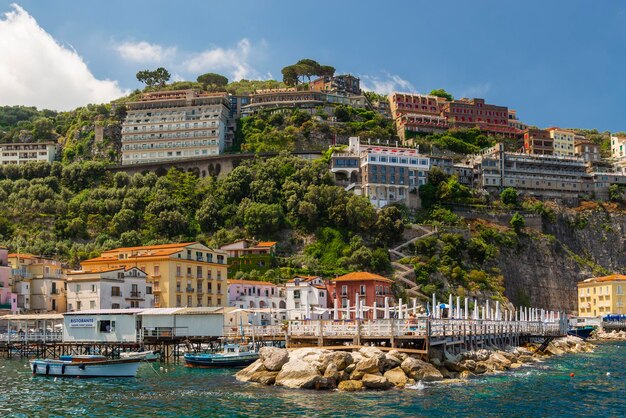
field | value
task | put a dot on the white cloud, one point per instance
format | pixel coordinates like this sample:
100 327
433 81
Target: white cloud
145 52
386 84
36 70
231 60
477 90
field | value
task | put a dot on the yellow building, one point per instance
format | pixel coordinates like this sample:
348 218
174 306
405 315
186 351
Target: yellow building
563 142
39 283
183 275
601 296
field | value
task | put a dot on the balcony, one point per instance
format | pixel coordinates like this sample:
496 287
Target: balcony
189 289
55 292
135 294
200 291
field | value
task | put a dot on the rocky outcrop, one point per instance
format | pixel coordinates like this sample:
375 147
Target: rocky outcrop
371 368
611 335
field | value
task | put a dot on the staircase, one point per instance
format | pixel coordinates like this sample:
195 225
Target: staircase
404 274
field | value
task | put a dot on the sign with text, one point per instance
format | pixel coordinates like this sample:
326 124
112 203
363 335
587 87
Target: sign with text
82 322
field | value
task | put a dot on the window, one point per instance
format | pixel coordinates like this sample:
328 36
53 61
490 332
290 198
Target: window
115 291
362 289
344 290
107 326
296 294
93 288
92 304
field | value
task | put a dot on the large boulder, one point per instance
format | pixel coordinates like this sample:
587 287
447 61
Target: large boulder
466 374
420 370
469 364
397 377
341 359
365 366
298 373
399 355
326 383
264 377
389 362
350 385
454 366
273 358
373 381
246 374
332 372
308 354
372 352
481 367
500 359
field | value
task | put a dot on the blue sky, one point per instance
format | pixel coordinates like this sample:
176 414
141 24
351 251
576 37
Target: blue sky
558 63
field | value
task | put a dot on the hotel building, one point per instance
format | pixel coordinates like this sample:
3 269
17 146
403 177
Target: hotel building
538 142
182 275
172 125
39 283
618 147
304 294
116 288
601 296
344 84
250 294
475 113
563 142
414 113
26 152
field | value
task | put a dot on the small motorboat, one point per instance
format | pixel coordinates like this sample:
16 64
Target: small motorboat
149 356
233 355
582 331
85 366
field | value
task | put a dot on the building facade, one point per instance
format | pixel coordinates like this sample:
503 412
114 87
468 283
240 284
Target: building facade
171 125
362 287
587 150
618 147
182 275
563 142
27 152
244 255
266 297
39 283
8 299
117 288
538 142
415 113
306 293
344 84
475 113
601 296
381 173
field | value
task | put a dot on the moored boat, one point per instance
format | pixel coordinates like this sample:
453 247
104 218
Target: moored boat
86 366
232 356
142 355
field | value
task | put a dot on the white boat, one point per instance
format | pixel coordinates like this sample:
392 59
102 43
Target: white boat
142 355
234 355
85 366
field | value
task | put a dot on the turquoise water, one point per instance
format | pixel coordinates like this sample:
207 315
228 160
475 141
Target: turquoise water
545 389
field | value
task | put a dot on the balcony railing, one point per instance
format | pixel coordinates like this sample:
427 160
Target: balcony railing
135 294
189 289
116 294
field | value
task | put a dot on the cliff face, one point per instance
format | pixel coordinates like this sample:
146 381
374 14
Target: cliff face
544 269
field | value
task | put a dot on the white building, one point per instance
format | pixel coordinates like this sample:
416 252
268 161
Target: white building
173 125
116 288
101 325
26 152
304 295
618 147
250 294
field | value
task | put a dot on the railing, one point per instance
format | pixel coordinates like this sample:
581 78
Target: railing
135 294
32 337
189 289
422 327
256 330
165 332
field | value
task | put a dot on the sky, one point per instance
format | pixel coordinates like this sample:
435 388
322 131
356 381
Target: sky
558 63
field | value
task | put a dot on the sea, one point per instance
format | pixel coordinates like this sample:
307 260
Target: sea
548 389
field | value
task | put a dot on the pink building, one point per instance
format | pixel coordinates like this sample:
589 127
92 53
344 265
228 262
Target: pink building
8 299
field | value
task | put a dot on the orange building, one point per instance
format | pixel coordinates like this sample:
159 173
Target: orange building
538 141
370 288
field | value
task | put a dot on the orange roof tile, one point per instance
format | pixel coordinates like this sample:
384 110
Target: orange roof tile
151 247
13 255
266 244
611 278
252 282
361 276
305 278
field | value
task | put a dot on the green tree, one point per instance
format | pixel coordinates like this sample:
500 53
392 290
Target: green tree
290 75
517 222
616 193
342 113
157 77
509 196
442 93
212 79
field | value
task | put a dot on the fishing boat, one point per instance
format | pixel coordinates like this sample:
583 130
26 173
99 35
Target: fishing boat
234 355
142 355
86 366
582 327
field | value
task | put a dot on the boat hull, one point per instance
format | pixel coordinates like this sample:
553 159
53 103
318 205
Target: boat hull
60 368
216 361
582 332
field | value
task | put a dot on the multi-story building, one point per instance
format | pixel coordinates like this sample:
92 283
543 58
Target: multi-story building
415 113
39 283
370 289
23 153
384 174
563 141
8 299
304 294
601 296
116 288
344 84
171 125
538 141
237 101
470 113
587 150
547 176
618 147
244 255
268 298
182 275
515 123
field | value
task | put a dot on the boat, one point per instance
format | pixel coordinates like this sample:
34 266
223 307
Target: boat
86 366
582 326
142 355
582 331
233 355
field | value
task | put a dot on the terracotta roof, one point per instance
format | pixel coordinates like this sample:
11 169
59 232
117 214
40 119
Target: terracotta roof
252 282
303 278
361 276
103 270
13 255
152 247
611 278
266 244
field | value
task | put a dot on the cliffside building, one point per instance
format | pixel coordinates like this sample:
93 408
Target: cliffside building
601 296
538 142
344 84
416 113
173 125
22 153
563 142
